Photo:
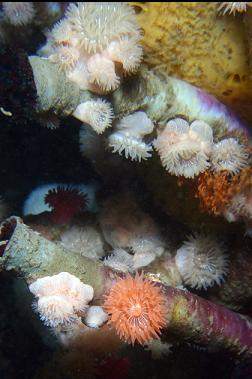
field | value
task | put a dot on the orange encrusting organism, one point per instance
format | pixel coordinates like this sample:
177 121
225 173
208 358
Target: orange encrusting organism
137 309
216 190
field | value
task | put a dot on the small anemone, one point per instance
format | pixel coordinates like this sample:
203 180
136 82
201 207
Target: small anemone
229 155
65 203
55 310
184 150
202 261
128 136
97 24
126 51
61 298
120 260
18 13
97 113
62 33
102 72
95 316
233 7
132 147
66 57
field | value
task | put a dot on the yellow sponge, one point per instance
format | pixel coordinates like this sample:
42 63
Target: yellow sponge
193 42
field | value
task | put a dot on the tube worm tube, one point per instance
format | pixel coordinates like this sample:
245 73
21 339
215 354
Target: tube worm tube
31 256
189 316
201 321
55 92
163 97
159 95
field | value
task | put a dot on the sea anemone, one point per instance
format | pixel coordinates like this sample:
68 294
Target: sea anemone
66 57
137 309
184 150
106 36
61 298
55 310
95 316
83 240
126 51
233 7
19 13
101 72
97 113
119 260
97 24
35 202
62 34
229 155
132 147
65 202
202 261
128 136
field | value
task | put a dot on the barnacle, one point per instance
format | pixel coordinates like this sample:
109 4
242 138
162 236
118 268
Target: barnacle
136 308
233 7
97 113
97 24
18 13
201 261
229 155
184 150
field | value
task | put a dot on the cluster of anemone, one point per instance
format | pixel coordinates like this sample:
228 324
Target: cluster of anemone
233 7
202 261
185 149
96 44
127 138
188 150
137 309
61 299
